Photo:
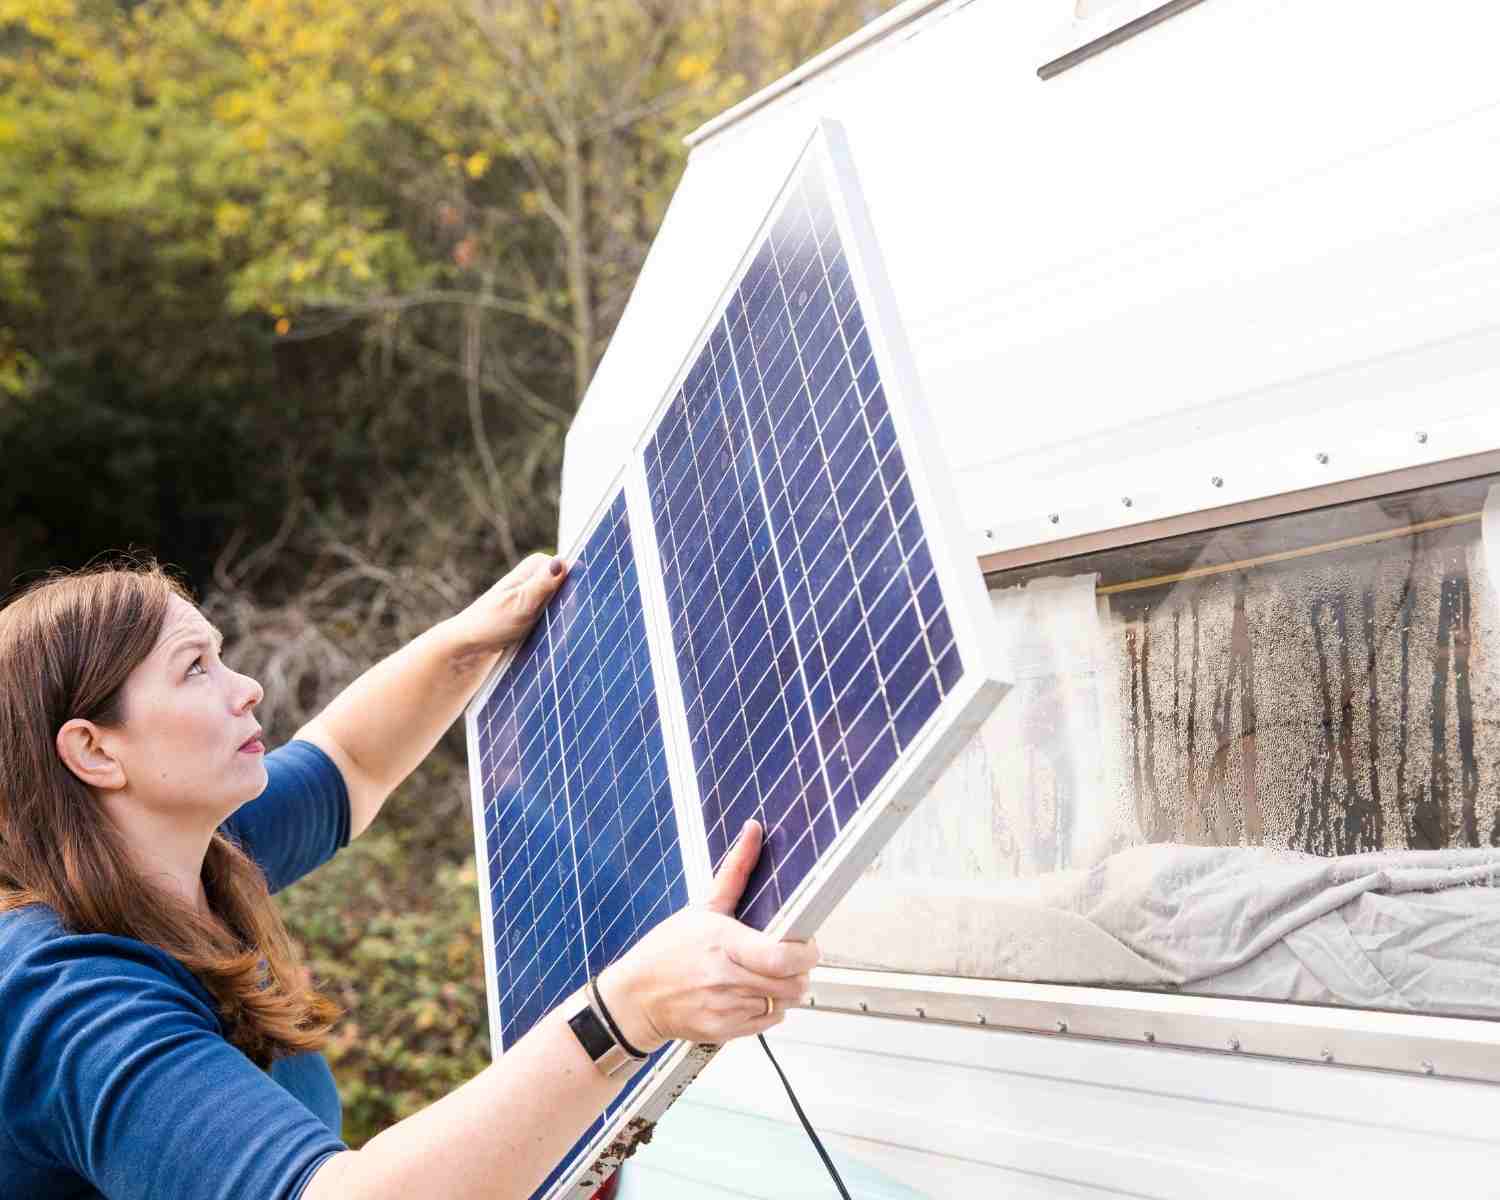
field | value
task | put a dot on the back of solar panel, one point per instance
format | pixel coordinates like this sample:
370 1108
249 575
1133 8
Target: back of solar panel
784 626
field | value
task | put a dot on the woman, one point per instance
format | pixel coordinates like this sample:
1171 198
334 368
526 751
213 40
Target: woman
158 1037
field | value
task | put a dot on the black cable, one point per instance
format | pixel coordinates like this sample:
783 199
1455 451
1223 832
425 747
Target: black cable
802 1116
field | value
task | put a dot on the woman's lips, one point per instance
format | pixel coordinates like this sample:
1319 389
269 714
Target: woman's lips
253 746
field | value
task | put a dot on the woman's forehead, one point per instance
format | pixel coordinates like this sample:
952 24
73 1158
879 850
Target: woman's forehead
183 620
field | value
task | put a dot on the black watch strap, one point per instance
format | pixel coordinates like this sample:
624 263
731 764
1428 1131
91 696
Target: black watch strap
597 1040
610 1020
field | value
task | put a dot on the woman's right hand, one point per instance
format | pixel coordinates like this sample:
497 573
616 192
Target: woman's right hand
702 976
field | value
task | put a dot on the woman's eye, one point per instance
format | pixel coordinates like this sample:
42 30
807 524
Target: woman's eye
197 668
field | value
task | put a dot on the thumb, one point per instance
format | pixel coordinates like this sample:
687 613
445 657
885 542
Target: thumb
729 883
545 579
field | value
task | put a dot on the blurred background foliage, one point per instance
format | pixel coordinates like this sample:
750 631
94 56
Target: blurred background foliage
300 296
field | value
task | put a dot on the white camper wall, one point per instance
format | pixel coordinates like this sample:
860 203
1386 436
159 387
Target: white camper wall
1260 242
1264 230
951 1113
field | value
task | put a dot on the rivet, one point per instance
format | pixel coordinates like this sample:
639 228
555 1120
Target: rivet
1421 439
1054 518
1427 1067
1326 1056
1062 1027
1150 1037
1217 481
1126 501
1234 1043
1322 458
863 1007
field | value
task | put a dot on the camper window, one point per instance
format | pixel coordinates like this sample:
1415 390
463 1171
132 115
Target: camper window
1262 761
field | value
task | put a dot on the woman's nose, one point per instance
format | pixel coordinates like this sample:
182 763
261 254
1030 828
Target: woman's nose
251 695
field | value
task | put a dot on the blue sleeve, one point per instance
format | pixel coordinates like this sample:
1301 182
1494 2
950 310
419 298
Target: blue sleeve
115 1071
302 818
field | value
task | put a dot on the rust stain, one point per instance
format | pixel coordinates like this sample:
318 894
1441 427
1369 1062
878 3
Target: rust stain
1372 700
1193 826
1364 778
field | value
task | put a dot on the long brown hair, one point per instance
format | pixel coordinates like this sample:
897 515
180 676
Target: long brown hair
67 646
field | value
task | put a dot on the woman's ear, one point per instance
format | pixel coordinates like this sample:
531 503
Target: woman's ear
81 746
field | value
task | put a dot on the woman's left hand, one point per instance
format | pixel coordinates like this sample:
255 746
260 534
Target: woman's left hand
505 614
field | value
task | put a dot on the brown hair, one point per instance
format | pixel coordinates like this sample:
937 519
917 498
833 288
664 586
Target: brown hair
67 646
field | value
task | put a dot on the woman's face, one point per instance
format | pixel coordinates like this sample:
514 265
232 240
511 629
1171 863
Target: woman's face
189 734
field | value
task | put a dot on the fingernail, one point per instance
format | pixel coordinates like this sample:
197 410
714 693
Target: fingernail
557 566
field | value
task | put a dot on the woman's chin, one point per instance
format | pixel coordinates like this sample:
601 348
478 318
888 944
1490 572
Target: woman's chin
251 780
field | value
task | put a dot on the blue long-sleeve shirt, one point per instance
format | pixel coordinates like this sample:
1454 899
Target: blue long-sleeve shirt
115 1076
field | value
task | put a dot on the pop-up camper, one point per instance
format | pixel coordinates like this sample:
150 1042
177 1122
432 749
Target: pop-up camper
1204 299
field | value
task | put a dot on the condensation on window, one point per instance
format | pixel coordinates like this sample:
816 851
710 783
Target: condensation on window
1262 761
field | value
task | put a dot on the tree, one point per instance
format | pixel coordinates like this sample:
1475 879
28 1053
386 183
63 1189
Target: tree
302 294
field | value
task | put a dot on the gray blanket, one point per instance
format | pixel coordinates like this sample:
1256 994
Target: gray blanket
1403 930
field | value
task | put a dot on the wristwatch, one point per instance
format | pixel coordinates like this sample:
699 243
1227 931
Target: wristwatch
596 1032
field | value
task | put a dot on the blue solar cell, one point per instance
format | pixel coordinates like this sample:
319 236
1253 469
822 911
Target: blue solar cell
579 824
808 626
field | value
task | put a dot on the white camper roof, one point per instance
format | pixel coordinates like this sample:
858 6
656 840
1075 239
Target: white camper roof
1126 282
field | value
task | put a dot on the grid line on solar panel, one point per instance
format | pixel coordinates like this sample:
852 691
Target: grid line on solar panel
786 389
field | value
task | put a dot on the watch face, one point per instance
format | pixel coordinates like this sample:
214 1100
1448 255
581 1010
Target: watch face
590 1031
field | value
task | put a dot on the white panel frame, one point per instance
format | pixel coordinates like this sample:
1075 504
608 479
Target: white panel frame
966 602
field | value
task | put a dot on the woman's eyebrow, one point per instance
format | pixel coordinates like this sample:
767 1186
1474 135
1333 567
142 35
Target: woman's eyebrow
199 640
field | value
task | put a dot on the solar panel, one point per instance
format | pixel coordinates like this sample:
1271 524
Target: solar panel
811 635
770 617
581 855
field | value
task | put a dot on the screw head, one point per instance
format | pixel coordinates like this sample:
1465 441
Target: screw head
983 1020
863 1006
1427 1067
922 1013
1322 458
1054 518
1217 481
812 1002
1062 1027
989 535
1234 1043
1326 1056
1421 439
1126 501
1150 1037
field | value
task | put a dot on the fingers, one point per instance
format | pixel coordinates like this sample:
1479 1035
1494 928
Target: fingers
729 883
742 1016
784 989
532 564
765 956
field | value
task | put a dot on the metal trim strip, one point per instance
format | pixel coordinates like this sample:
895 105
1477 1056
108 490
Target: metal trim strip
1409 1043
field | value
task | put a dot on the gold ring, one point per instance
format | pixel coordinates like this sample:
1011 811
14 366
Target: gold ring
770 1005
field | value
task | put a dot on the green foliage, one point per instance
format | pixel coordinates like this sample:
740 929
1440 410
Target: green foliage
301 295
391 927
